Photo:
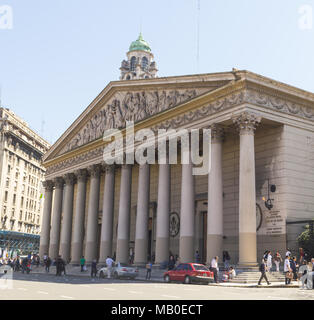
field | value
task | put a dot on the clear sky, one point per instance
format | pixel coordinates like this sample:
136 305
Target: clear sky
61 53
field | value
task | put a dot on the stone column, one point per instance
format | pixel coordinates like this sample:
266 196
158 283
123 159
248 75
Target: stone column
163 214
215 199
91 244
124 214
187 217
107 215
141 231
46 220
66 228
56 219
79 218
247 123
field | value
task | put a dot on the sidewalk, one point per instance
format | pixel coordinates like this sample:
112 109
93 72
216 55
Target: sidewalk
157 276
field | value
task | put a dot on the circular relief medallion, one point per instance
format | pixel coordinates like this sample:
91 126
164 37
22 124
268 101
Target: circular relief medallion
174 224
259 217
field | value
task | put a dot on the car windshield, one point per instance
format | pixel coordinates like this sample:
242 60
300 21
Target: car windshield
200 267
124 265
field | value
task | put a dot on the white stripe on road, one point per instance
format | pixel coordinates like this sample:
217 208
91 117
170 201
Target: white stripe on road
110 289
42 292
136 292
23 289
66 297
167 296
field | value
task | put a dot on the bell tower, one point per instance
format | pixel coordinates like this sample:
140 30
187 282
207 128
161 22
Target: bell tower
140 63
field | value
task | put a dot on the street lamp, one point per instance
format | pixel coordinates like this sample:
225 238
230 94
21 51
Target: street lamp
268 202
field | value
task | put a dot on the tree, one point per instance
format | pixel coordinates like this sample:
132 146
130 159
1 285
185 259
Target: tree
306 239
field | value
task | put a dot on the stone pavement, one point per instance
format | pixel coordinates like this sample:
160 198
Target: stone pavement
157 276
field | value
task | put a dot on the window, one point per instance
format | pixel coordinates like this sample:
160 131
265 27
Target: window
6 196
9 169
7 182
133 63
14 199
144 63
180 267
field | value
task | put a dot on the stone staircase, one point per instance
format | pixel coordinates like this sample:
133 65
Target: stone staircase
253 277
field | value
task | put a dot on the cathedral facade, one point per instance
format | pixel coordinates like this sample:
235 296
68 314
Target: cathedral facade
261 136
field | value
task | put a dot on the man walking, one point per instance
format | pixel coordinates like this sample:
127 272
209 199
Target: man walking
149 267
94 268
109 263
47 264
263 269
214 268
82 263
287 270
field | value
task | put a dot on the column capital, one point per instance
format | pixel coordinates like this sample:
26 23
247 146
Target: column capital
58 182
69 178
247 122
81 175
217 133
108 168
48 185
94 170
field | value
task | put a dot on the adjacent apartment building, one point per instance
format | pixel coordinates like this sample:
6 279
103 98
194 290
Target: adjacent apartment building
21 176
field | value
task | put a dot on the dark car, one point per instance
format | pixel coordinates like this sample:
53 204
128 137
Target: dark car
190 273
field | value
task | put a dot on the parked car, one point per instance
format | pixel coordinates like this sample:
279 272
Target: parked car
120 270
190 273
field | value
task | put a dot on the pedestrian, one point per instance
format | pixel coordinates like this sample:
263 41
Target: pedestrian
109 263
47 264
171 263
232 273
37 261
312 260
24 264
277 260
94 268
214 268
309 276
263 269
149 267
265 255
303 273
288 252
301 253
178 261
287 270
269 262
17 264
294 266
60 266
82 263
226 259
197 257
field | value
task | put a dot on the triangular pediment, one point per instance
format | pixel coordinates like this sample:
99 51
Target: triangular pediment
136 101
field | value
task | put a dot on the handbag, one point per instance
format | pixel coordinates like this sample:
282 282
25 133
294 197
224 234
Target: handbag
289 275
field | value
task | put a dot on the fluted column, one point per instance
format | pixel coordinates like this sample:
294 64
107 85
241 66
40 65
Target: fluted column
163 213
92 218
215 199
141 231
66 228
56 219
46 220
187 217
247 123
107 215
124 214
79 218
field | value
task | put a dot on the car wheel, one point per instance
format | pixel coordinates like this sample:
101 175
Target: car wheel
187 280
167 278
115 275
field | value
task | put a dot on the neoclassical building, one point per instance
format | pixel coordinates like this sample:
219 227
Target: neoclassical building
262 134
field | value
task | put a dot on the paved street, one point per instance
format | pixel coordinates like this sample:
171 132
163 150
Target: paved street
49 287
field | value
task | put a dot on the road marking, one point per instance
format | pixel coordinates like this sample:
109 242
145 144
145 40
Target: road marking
66 297
23 289
136 292
110 289
167 296
42 292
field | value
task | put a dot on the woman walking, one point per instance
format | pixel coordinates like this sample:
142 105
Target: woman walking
277 260
269 262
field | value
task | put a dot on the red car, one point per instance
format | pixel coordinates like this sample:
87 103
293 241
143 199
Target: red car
188 273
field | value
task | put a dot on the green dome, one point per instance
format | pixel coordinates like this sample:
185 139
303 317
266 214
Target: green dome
140 44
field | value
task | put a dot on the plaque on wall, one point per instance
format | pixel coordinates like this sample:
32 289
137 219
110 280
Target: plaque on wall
174 224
